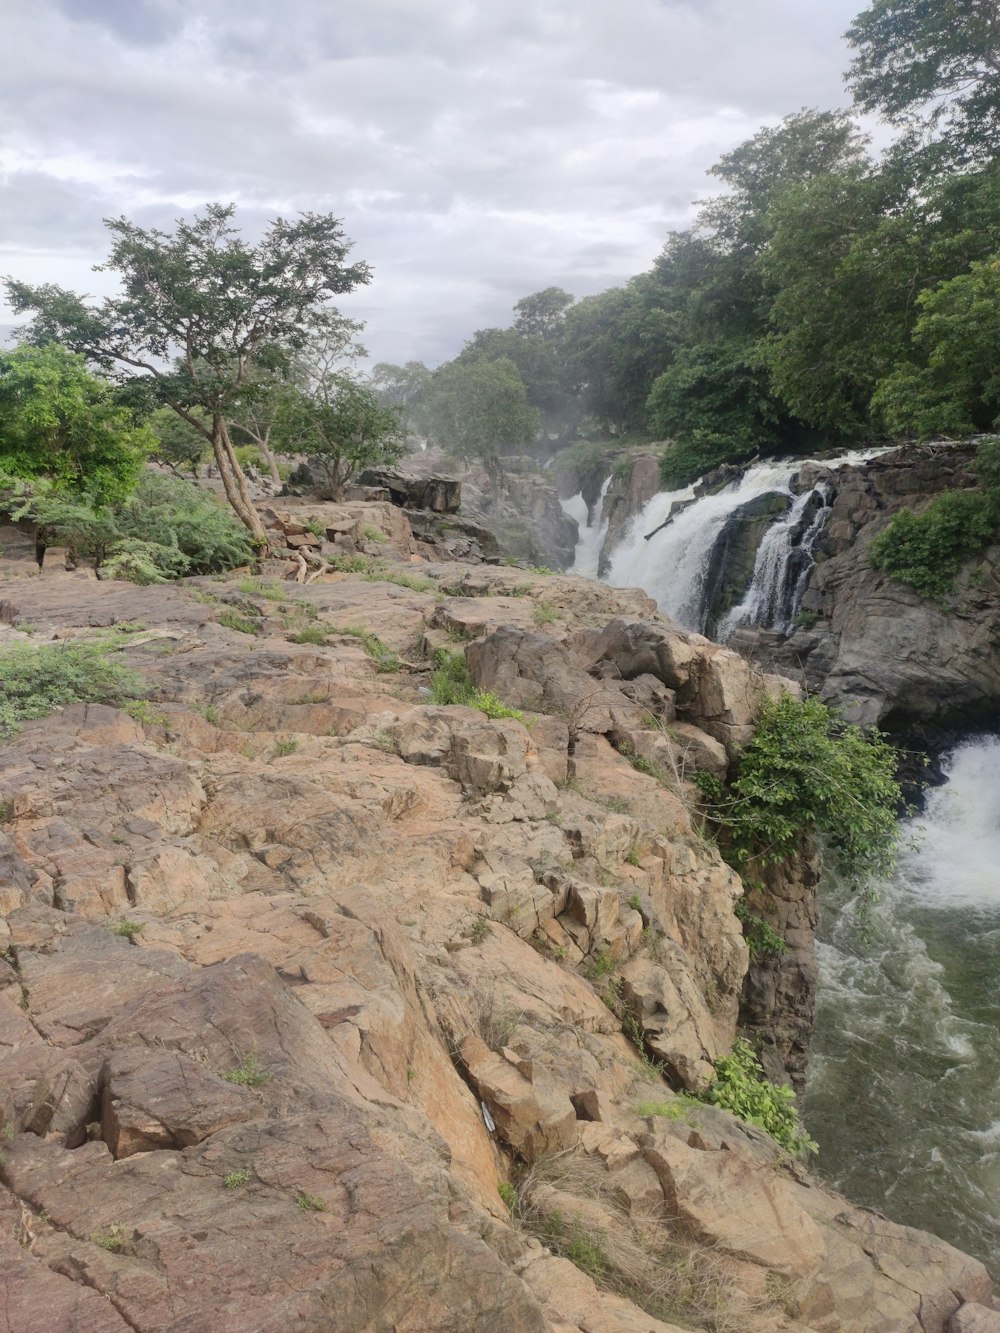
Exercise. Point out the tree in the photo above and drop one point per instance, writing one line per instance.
(343, 427)
(201, 311)
(403, 387)
(478, 409)
(542, 312)
(956, 386)
(932, 64)
(60, 423)
(177, 444)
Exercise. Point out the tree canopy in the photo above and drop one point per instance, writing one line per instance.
(201, 311)
(60, 423)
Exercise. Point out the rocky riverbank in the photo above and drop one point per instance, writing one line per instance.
(326, 1005)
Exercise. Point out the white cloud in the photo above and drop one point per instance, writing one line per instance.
(476, 152)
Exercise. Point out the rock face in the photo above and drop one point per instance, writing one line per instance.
(733, 555)
(878, 651)
(630, 490)
(298, 967)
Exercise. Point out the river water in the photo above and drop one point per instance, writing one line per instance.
(904, 1085)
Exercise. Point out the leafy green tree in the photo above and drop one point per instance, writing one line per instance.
(58, 421)
(403, 388)
(805, 147)
(177, 444)
(714, 401)
(956, 387)
(541, 313)
(805, 772)
(200, 312)
(342, 425)
(932, 63)
(478, 410)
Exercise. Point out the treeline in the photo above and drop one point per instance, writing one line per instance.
(825, 297)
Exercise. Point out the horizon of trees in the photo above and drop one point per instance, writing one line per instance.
(825, 297)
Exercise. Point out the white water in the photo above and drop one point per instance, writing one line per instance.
(591, 539)
(673, 565)
(908, 1019)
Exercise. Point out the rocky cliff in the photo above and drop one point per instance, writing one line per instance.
(872, 646)
(326, 1006)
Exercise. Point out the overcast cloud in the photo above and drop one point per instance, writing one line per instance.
(475, 151)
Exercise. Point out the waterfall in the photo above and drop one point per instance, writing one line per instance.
(908, 1014)
(782, 567)
(675, 563)
(592, 526)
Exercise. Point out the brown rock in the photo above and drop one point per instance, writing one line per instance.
(163, 1099)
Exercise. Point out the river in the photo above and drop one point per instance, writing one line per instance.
(904, 1085)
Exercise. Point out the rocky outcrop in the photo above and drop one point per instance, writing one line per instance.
(298, 967)
(875, 648)
(633, 485)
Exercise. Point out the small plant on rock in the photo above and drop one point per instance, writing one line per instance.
(740, 1087)
(113, 1238)
(234, 1179)
(309, 1203)
(129, 930)
(248, 1073)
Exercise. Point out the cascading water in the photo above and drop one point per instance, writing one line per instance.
(675, 563)
(781, 570)
(592, 526)
(908, 1021)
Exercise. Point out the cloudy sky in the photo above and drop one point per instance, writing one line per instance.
(476, 150)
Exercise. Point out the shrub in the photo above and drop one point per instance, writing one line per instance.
(248, 1073)
(37, 678)
(740, 1087)
(927, 550)
(762, 939)
(451, 683)
(804, 771)
(167, 528)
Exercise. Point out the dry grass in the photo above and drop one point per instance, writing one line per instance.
(569, 1202)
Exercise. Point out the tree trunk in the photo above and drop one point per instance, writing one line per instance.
(272, 463)
(235, 484)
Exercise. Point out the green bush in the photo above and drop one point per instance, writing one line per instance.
(805, 771)
(167, 528)
(740, 1087)
(452, 684)
(927, 550)
(37, 678)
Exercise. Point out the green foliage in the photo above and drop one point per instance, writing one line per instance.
(679, 1108)
(762, 939)
(37, 678)
(954, 387)
(248, 1073)
(508, 1193)
(309, 1203)
(113, 1238)
(242, 624)
(923, 64)
(167, 528)
(129, 930)
(478, 409)
(317, 634)
(61, 424)
(740, 1087)
(714, 402)
(384, 657)
(233, 1180)
(804, 772)
(451, 683)
(200, 312)
(927, 550)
